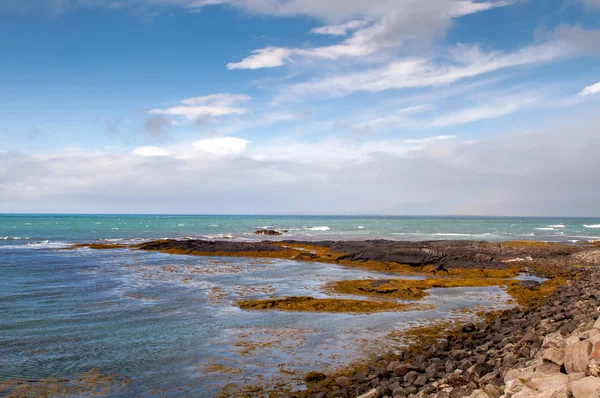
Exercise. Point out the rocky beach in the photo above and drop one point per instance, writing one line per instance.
(547, 345)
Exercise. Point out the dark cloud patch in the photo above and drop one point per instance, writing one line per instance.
(111, 127)
(34, 134)
(156, 125)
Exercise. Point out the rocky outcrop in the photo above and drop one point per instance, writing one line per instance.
(206, 246)
(447, 254)
(440, 255)
(269, 232)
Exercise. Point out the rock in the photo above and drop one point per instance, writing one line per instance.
(492, 391)
(595, 354)
(550, 384)
(531, 285)
(514, 386)
(577, 356)
(512, 375)
(597, 324)
(478, 370)
(572, 340)
(343, 381)
(587, 387)
(402, 369)
(410, 377)
(392, 365)
(420, 381)
(593, 368)
(371, 394)
(479, 394)
(576, 376)
(555, 355)
(267, 232)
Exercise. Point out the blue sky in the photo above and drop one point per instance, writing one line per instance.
(253, 99)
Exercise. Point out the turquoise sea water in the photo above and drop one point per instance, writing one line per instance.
(168, 325)
(56, 230)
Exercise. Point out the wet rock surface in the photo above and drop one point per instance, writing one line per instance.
(207, 246)
(439, 254)
(446, 254)
(548, 351)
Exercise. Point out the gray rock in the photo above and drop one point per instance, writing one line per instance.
(402, 369)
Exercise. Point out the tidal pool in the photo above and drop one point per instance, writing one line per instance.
(125, 323)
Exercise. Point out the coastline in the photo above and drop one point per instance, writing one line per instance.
(565, 268)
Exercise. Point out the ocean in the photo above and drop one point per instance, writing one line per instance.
(60, 230)
(130, 323)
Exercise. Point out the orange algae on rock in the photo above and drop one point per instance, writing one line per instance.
(311, 304)
(93, 383)
(409, 289)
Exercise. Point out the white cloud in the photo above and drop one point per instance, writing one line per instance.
(492, 110)
(222, 146)
(394, 23)
(546, 173)
(339, 30)
(335, 151)
(269, 57)
(464, 62)
(151, 151)
(589, 90)
(215, 105)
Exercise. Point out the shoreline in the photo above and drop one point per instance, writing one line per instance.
(568, 267)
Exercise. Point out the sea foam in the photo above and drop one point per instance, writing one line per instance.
(322, 228)
(591, 226)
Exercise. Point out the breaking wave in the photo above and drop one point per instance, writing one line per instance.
(322, 228)
(591, 226)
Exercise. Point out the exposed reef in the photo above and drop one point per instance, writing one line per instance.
(270, 232)
(311, 304)
(460, 258)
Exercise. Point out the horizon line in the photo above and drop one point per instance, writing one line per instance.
(288, 215)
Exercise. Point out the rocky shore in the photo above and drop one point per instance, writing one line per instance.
(552, 350)
(546, 346)
(436, 255)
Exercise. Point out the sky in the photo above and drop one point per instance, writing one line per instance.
(399, 107)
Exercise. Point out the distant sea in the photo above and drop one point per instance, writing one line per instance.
(127, 323)
(58, 230)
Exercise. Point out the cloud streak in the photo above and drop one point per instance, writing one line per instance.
(209, 106)
(590, 90)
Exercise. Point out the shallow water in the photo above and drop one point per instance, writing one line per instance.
(167, 325)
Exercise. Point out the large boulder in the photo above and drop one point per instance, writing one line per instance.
(588, 387)
(577, 356)
(550, 385)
